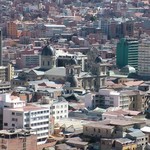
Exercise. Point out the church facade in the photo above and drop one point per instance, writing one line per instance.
(71, 73)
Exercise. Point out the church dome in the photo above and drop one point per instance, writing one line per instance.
(98, 59)
(48, 51)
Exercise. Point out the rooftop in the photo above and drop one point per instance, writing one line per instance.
(98, 125)
(29, 108)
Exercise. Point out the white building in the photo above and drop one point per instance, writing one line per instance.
(58, 107)
(110, 98)
(143, 58)
(16, 114)
(52, 29)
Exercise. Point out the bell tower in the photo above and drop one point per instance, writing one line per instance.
(99, 69)
(72, 71)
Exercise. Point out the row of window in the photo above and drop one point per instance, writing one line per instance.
(57, 112)
(42, 134)
(6, 124)
(58, 106)
(99, 130)
(14, 119)
(40, 123)
(59, 117)
(39, 118)
(17, 113)
(40, 129)
(39, 112)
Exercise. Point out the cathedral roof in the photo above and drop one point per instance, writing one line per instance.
(48, 51)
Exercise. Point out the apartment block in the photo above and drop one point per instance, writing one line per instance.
(125, 99)
(109, 128)
(16, 114)
(23, 139)
(127, 52)
(58, 107)
(143, 59)
(6, 72)
(28, 61)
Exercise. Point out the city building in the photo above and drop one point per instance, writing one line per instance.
(1, 60)
(58, 107)
(28, 61)
(140, 138)
(16, 114)
(5, 87)
(53, 29)
(13, 29)
(118, 144)
(115, 128)
(127, 53)
(23, 138)
(6, 73)
(125, 99)
(117, 27)
(63, 59)
(143, 59)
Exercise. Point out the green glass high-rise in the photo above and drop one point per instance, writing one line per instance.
(127, 52)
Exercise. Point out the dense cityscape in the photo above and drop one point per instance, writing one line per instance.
(74, 74)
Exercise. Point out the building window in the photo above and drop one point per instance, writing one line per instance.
(5, 124)
(13, 119)
(94, 130)
(48, 63)
(27, 125)
(13, 113)
(99, 130)
(43, 63)
(13, 125)
(18, 114)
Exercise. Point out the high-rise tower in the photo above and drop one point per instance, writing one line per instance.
(1, 48)
(127, 52)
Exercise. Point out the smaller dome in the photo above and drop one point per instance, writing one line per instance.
(73, 81)
(128, 69)
(48, 51)
(98, 59)
(73, 61)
